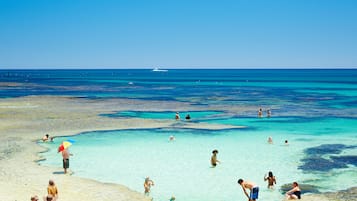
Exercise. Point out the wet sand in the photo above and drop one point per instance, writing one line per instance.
(25, 120)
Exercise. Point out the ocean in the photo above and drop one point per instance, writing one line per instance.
(315, 110)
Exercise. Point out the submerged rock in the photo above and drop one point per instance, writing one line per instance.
(325, 149)
(320, 164)
(320, 158)
(345, 159)
(345, 195)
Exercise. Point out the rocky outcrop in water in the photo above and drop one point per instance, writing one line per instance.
(345, 195)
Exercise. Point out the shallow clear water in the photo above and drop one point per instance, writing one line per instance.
(182, 167)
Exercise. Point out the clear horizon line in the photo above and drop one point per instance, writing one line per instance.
(170, 68)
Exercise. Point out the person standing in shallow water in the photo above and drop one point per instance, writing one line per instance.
(260, 112)
(177, 116)
(65, 156)
(271, 180)
(214, 160)
(254, 189)
(268, 113)
(147, 185)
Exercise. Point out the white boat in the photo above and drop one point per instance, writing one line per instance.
(159, 70)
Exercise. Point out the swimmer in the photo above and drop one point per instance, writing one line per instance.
(214, 160)
(172, 138)
(45, 138)
(147, 185)
(270, 140)
(286, 142)
(188, 117)
(260, 112)
(268, 113)
(177, 116)
(271, 180)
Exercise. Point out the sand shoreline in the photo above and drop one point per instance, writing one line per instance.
(27, 119)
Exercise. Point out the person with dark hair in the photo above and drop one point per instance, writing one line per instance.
(46, 138)
(254, 189)
(188, 117)
(294, 193)
(34, 198)
(271, 179)
(214, 160)
(260, 112)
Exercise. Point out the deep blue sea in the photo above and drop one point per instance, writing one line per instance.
(316, 110)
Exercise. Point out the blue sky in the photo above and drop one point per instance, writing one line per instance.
(178, 33)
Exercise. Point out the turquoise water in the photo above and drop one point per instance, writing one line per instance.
(166, 115)
(182, 167)
(316, 110)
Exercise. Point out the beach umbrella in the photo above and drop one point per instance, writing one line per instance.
(64, 145)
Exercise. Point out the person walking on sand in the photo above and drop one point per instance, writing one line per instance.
(254, 189)
(214, 160)
(147, 185)
(65, 156)
(294, 193)
(271, 180)
(52, 189)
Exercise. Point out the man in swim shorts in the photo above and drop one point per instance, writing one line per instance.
(254, 189)
(65, 155)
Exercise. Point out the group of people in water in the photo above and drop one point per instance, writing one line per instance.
(294, 193)
(260, 113)
(177, 116)
(52, 193)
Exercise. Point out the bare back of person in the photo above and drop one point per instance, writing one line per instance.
(249, 185)
(65, 154)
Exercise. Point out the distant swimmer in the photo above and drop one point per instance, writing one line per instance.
(172, 198)
(147, 185)
(214, 160)
(260, 112)
(177, 116)
(172, 138)
(46, 138)
(271, 179)
(254, 189)
(270, 140)
(188, 117)
(268, 113)
(286, 142)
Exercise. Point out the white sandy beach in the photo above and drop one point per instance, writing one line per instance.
(25, 120)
